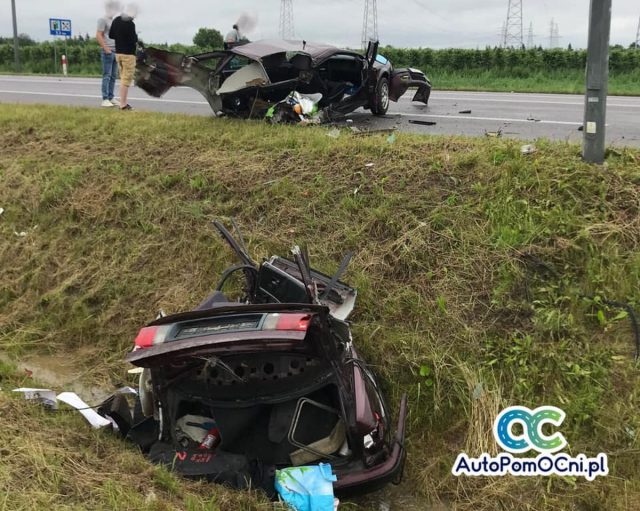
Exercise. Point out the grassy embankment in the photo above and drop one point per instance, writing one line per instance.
(476, 266)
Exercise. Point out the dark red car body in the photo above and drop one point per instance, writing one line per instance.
(279, 373)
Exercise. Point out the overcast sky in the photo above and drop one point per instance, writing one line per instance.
(410, 23)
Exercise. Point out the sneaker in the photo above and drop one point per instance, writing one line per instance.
(106, 103)
(126, 107)
(114, 102)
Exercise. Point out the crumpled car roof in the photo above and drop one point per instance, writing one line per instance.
(263, 48)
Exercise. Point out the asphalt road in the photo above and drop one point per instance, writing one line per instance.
(524, 116)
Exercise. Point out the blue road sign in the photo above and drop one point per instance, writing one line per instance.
(60, 27)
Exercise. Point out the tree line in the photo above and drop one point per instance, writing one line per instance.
(83, 55)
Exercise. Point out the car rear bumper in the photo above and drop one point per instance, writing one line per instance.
(364, 481)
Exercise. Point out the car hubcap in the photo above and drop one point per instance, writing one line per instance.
(384, 95)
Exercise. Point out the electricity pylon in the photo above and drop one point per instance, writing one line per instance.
(286, 19)
(369, 22)
(513, 34)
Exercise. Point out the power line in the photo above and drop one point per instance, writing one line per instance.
(286, 19)
(513, 35)
(370, 22)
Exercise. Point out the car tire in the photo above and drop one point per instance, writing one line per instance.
(381, 100)
(145, 393)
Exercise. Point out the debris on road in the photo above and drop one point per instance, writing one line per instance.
(531, 118)
(423, 123)
(495, 134)
(581, 127)
(528, 149)
(464, 112)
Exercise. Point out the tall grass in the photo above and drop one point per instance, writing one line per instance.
(482, 277)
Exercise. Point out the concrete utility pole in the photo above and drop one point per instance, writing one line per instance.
(16, 41)
(638, 35)
(595, 104)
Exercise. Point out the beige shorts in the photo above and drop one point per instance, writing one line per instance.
(126, 67)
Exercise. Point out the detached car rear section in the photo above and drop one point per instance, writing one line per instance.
(248, 79)
(272, 382)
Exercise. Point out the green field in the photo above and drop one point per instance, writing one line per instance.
(482, 278)
(559, 82)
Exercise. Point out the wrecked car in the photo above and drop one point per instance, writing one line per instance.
(249, 79)
(231, 391)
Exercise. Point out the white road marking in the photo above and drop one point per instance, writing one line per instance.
(402, 114)
(73, 81)
(489, 97)
(520, 101)
(499, 119)
(90, 96)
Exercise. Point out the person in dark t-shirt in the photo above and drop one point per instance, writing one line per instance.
(123, 32)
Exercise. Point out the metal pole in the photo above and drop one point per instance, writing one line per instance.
(16, 42)
(597, 76)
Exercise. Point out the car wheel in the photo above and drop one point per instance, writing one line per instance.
(145, 393)
(381, 102)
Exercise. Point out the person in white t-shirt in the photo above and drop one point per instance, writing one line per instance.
(108, 53)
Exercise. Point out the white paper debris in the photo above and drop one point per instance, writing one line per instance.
(72, 399)
(45, 396)
(20, 234)
(1, 211)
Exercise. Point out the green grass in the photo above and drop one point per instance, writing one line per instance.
(560, 82)
(480, 274)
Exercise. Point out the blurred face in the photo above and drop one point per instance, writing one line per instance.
(112, 8)
(131, 10)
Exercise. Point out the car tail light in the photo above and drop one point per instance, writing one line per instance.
(151, 335)
(287, 321)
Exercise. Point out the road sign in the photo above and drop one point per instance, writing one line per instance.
(60, 27)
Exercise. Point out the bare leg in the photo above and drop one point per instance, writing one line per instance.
(124, 92)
